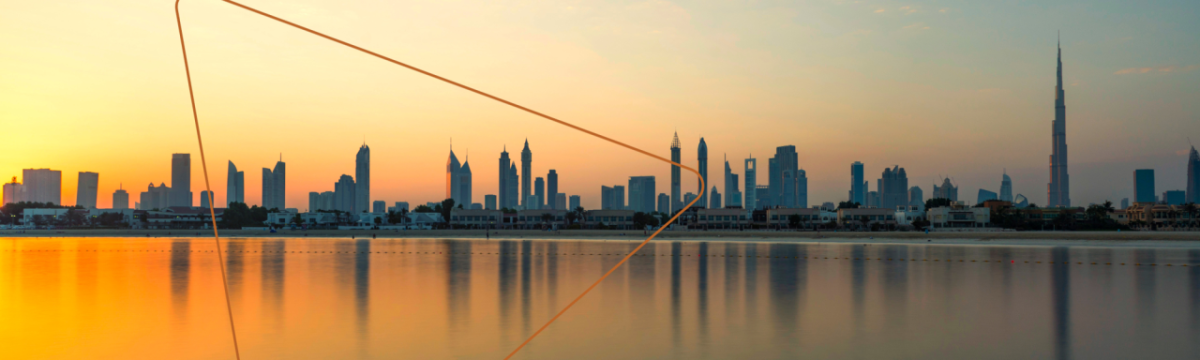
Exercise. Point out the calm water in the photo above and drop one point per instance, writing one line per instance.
(458, 299)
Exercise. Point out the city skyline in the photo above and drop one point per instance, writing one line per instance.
(1128, 109)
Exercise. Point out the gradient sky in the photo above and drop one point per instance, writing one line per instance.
(942, 88)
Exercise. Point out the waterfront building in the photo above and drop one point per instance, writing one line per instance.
(204, 198)
(702, 166)
(552, 190)
(155, 197)
(866, 218)
(946, 191)
(1143, 186)
(613, 219)
(377, 206)
(858, 184)
(560, 201)
(343, 195)
(87, 188)
(502, 188)
(14, 192)
(453, 178)
(42, 185)
(513, 186)
(1006, 188)
(721, 219)
(801, 188)
(539, 190)
(951, 216)
(715, 201)
(985, 195)
(1174, 197)
(489, 202)
(235, 185)
(465, 184)
(120, 199)
(273, 186)
(675, 174)
(574, 202)
(828, 206)
(1193, 177)
(526, 174)
(750, 172)
(1059, 189)
(181, 180)
(664, 203)
(760, 192)
(362, 177)
(731, 186)
(780, 218)
(893, 188)
(642, 192)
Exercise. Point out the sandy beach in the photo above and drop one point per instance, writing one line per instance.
(1031, 238)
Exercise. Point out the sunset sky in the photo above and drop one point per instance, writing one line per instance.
(941, 88)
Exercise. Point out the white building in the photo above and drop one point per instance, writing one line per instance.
(43, 185)
(86, 192)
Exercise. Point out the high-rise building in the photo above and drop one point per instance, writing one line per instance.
(731, 186)
(893, 188)
(785, 174)
(619, 197)
(343, 195)
(609, 200)
(858, 184)
(362, 177)
(560, 201)
(552, 190)
(452, 176)
(916, 197)
(664, 203)
(465, 185)
(801, 188)
(574, 202)
(235, 185)
(642, 193)
(539, 190)
(314, 201)
(946, 191)
(531, 203)
(88, 186)
(42, 185)
(1059, 189)
(751, 192)
(489, 201)
(1006, 188)
(327, 201)
(14, 192)
(689, 197)
(761, 192)
(1193, 177)
(985, 195)
(204, 199)
(873, 199)
(377, 205)
(526, 174)
(120, 199)
(714, 202)
(1174, 197)
(774, 178)
(702, 159)
(1143, 186)
(181, 180)
(513, 186)
(273, 186)
(1124, 203)
(502, 189)
(675, 175)
(156, 197)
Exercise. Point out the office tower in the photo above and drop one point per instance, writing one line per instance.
(1124, 203)
(1193, 177)
(675, 180)
(1020, 201)
(14, 192)
(42, 185)
(985, 195)
(574, 202)
(120, 199)
(688, 198)
(916, 197)
(362, 175)
(785, 177)
(489, 201)
(452, 176)
(181, 180)
(801, 188)
(1006, 188)
(268, 189)
(273, 183)
(513, 186)
(156, 197)
(774, 178)
(761, 192)
(531, 203)
(204, 199)
(873, 199)
(1059, 189)
(314, 201)
(401, 205)
(552, 190)
(946, 191)
(325, 201)
(619, 197)
(1174, 197)
(560, 201)
(607, 200)
(235, 185)
(751, 192)
(642, 193)
(465, 185)
(526, 173)
(702, 159)
(343, 194)
(858, 184)
(731, 186)
(539, 190)
(86, 192)
(377, 205)
(502, 187)
(1143, 186)
(664, 203)
(893, 188)
(715, 201)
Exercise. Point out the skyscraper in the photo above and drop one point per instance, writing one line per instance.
(574, 202)
(14, 192)
(774, 178)
(1174, 197)
(1143, 186)
(452, 176)
(539, 191)
(204, 199)
(181, 180)
(985, 195)
(526, 173)
(343, 195)
(1006, 188)
(785, 177)
(642, 193)
(714, 201)
(552, 190)
(502, 188)
(702, 158)
(85, 194)
(42, 185)
(465, 185)
(664, 204)
(606, 197)
(1059, 189)
(560, 201)
(273, 186)
(858, 184)
(156, 197)
(120, 199)
(489, 201)
(893, 188)
(676, 205)
(916, 197)
(362, 176)
(801, 188)
(1193, 177)
(314, 201)
(268, 189)
(235, 185)
(946, 191)
(751, 192)
(378, 206)
(731, 186)
(514, 182)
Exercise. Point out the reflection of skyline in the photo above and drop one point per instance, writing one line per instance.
(362, 288)
(181, 252)
(676, 316)
(702, 294)
(1060, 287)
(272, 270)
(1193, 259)
(458, 285)
(787, 279)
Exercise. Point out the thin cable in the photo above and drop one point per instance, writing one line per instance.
(212, 212)
(531, 111)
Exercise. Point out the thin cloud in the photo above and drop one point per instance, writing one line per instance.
(908, 10)
(1158, 69)
(944, 10)
(879, 10)
(917, 26)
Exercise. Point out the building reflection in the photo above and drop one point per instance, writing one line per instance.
(507, 273)
(1060, 287)
(895, 287)
(552, 277)
(272, 271)
(362, 287)
(786, 278)
(1144, 280)
(181, 255)
(525, 257)
(676, 272)
(858, 276)
(235, 265)
(702, 294)
(1193, 262)
(730, 278)
(458, 284)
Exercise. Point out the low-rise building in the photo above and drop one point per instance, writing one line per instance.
(722, 219)
(1155, 216)
(867, 218)
(945, 216)
(619, 219)
(780, 218)
(541, 219)
(181, 217)
(475, 218)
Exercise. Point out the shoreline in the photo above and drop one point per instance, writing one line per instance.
(1029, 238)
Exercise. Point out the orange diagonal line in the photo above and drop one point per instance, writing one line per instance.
(531, 111)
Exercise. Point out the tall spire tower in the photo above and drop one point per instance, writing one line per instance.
(1059, 190)
(676, 199)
